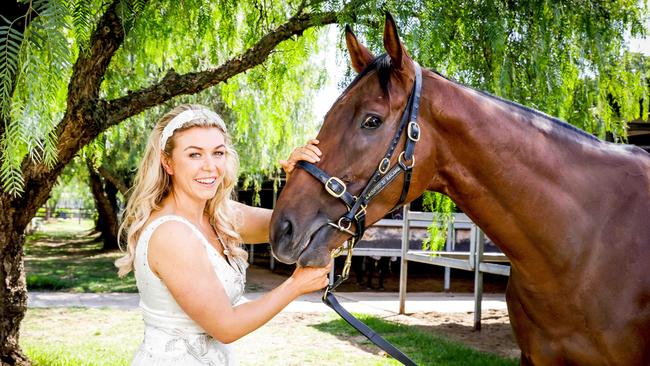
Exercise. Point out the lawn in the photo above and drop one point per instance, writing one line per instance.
(64, 255)
(76, 336)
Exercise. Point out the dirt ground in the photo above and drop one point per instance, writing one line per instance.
(494, 337)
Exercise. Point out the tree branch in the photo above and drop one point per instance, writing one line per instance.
(174, 84)
(87, 115)
(90, 67)
(116, 181)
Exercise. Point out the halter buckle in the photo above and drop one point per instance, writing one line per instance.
(331, 189)
(413, 131)
(362, 211)
(400, 159)
(384, 164)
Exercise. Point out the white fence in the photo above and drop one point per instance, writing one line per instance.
(475, 259)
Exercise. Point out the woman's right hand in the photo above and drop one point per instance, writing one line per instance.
(310, 279)
(309, 153)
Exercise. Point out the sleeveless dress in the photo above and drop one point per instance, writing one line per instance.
(171, 337)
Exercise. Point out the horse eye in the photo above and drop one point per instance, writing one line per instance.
(371, 122)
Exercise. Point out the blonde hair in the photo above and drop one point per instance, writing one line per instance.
(152, 184)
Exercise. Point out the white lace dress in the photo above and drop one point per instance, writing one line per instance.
(170, 336)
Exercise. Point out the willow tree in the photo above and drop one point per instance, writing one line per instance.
(69, 71)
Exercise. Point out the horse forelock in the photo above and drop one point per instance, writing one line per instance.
(381, 64)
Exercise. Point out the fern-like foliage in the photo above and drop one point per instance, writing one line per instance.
(443, 208)
(542, 54)
(11, 40)
(81, 20)
(34, 78)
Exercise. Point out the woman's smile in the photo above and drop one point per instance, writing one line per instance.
(208, 182)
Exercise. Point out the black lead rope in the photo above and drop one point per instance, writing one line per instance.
(375, 338)
(330, 300)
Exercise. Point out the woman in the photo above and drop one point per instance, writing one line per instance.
(183, 241)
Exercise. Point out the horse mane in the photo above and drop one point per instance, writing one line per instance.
(521, 107)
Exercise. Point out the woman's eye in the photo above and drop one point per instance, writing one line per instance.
(371, 122)
(219, 153)
(194, 155)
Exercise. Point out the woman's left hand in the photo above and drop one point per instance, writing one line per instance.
(309, 153)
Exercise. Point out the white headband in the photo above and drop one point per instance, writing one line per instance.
(187, 116)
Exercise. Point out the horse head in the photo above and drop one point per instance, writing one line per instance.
(356, 133)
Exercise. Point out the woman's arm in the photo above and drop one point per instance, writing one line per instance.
(177, 256)
(256, 221)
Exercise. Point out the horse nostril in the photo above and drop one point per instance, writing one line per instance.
(286, 229)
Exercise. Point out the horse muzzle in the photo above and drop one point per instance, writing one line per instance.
(305, 244)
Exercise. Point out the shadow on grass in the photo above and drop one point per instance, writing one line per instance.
(72, 261)
(63, 244)
(419, 344)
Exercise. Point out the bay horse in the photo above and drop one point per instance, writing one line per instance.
(571, 212)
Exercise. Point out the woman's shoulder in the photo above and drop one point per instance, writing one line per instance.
(172, 230)
(175, 246)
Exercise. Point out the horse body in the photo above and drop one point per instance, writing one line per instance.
(571, 212)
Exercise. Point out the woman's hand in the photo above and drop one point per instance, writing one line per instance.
(310, 279)
(309, 153)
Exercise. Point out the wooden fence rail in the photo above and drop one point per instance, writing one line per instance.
(473, 260)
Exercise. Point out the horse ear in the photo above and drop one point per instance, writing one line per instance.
(359, 54)
(392, 44)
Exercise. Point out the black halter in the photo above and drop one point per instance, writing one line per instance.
(357, 205)
(383, 175)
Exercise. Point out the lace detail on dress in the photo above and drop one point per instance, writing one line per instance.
(196, 345)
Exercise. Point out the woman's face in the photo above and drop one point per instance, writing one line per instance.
(198, 162)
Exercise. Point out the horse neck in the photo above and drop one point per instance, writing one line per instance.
(517, 174)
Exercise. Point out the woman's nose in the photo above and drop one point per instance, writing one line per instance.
(209, 163)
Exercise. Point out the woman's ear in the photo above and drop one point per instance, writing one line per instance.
(164, 161)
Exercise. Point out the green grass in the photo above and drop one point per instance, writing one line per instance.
(421, 346)
(64, 256)
(76, 336)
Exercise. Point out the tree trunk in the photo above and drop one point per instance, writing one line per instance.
(106, 204)
(17, 211)
(13, 222)
(121, 182)
(13, 294)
